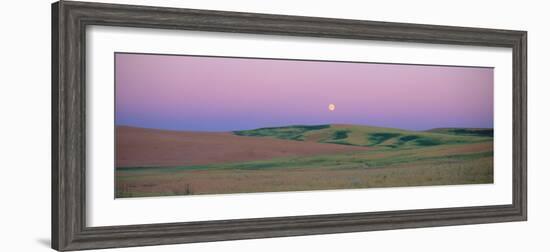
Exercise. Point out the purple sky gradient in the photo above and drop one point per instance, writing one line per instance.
(223, 94)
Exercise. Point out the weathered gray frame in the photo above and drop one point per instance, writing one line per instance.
(69, 20)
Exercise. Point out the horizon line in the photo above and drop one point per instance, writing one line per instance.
(296, 125)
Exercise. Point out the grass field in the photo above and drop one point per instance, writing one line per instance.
(374, 157)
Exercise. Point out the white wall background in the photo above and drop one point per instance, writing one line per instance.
(25, 126)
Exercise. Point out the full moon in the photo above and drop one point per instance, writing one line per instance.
(331, 107)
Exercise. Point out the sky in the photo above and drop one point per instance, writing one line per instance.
(194, 93)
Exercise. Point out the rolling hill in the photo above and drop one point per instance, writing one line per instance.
(154, 162)
(358, 135)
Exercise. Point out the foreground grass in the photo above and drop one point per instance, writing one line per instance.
(457, 163)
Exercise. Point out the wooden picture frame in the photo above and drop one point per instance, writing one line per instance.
(69, 20)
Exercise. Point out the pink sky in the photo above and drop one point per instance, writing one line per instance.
(223, 94)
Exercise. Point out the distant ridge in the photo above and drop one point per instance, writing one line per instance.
(485, 132)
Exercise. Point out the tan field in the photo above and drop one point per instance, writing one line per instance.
(152, 147)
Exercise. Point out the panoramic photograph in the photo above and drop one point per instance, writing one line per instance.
(196, 125)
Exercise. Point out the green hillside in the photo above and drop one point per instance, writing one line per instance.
(372, 136)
